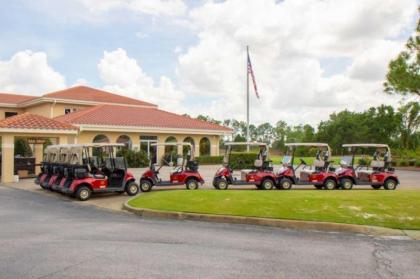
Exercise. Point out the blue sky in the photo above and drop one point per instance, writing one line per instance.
(310, 57)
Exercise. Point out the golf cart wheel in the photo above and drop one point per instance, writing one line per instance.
(285, 183)
(346, 183)
(145, 186)
(192, 184)
(132, 188)
(83, 193)
(390, 184)
(222, 184)
(267, 184)
(330, 184)
(376, 187)
(319, 187)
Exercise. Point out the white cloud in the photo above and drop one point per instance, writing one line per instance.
(288, 40)
(28, 72)
(123, 74)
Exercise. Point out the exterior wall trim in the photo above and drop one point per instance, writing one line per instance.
(38, 131)
(154, 130)
(75, 102)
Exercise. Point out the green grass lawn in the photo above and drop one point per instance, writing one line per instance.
(394, 209)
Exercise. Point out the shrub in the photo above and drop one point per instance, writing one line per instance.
(418, 163)
(134, 158)
(412, 162)
(22, 148)
(403, 163)
(242, 160)
(209, 160)
(364, 162)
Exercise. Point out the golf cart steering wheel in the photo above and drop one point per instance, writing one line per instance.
(303, 162)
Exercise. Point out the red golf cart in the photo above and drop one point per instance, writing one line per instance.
(262, 175)
(320, 174)
(378, 174)
(48, 166)
(83, 177)
(186, 171)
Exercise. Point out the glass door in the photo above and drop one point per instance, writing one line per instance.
(146, 146)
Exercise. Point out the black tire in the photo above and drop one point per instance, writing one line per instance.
(132, 188)
(346, 184)
(390, 184)
(222, 184)
(319, 187)
(146, 185)
(267, 184)
(376, 187)
(330, 184)
(83, 193)
(191, 184)
(285, 183)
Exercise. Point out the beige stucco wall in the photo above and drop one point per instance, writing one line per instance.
(88, 136)
(3, 110)
(41, 109)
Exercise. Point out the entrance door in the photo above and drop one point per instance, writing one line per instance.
(146, 146)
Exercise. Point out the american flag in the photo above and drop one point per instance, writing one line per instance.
(251, 72)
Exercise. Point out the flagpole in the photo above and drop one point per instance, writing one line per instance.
(247, 98)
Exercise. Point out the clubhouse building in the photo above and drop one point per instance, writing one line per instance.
(83, 114)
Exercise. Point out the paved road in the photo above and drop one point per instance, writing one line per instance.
(42, 236)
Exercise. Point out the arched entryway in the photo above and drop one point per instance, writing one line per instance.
(185, 148)
(170, 148)
(125, 140)
(204, 147)
(100, 139)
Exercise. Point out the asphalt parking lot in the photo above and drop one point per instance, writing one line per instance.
(42, 236)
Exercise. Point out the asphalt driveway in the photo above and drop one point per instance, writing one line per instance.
(42, 236)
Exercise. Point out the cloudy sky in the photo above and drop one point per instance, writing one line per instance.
(310, 57)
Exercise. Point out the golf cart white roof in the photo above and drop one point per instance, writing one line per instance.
(366, 145)
(246, 143)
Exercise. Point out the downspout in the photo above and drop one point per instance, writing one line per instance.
(52, 108)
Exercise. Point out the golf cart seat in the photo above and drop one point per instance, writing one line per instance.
(192, 166)
(377, 164)
(319, 163)
(258, 163)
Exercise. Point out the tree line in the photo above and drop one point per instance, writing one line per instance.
(383, 124)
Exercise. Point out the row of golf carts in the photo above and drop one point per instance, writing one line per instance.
(80, 170)
(321, 173)
(83, 169)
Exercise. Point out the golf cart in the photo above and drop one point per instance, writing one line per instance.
(84, 178)
(186, 171)
(320, 174)
(58, 168)
(378, 174)
(261, 175)
(50, 166)
(44, 165)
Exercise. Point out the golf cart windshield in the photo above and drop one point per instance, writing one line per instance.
(287, 160)
(346, 160)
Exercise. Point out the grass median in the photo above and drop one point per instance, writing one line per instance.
(394, 209)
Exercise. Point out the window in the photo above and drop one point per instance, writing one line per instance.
(69, 110)
(9, 114)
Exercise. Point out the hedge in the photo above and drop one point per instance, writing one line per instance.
(134, 158)
(210, 160)
(237, 160)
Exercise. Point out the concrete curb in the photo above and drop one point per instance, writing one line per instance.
(279, 223)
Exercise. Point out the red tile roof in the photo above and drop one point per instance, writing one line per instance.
(34, 121)
(114, 115)
(85, 93)
(7, 98)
